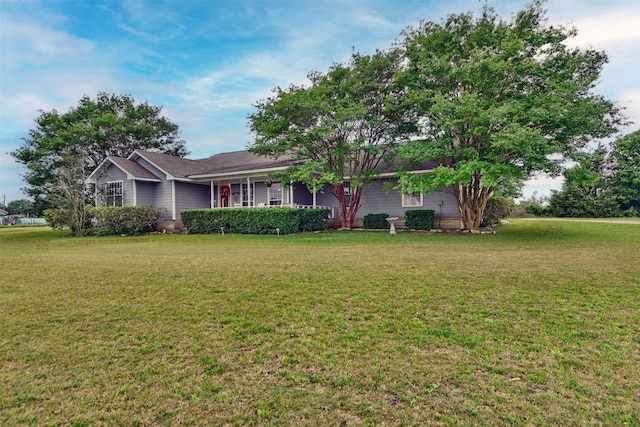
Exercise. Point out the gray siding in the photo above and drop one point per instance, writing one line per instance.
(324, 198)
(192, 196)
(302, 195)
(161, 191)
(380, 197)
(145, 193)
(162, 199)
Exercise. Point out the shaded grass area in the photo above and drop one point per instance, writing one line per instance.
(537, 325)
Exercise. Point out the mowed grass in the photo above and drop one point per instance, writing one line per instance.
(536, 325)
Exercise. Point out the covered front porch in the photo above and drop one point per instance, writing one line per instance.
(262, 192)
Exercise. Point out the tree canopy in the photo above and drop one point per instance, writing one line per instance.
(625, 172)
(344, 126)
(499, 100)
(94, 129)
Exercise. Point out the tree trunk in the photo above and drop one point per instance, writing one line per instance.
(342, 205)
(346, 210)
(354, 204)
(472, 200)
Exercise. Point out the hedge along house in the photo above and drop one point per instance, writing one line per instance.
(242, 179)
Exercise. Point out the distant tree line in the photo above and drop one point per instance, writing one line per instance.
(604, 183)
(19, 207)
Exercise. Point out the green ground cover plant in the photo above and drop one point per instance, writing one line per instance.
(538, 324)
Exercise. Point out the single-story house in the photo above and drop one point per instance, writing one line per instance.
(242, 179)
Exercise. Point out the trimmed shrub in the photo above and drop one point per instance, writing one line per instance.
(57, 218)
(376, 221)
(129, 220)
(60, 218)
(420, 219)
(255, 221)
(497, 208)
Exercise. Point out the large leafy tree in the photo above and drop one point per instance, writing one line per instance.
(625, 172)
(499, 100)
(107, 125)
(340, 130)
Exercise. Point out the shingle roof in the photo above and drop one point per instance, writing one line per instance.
(178, 167)
(401, 164)
(235, 161)
(133, 168)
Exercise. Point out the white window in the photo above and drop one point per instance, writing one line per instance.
(247, 194)
(411, 200)
(275, 194)
(278, 195)
(114, 193)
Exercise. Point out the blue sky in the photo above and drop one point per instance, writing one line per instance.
(207, 62)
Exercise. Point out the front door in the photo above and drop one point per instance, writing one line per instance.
(225, 191)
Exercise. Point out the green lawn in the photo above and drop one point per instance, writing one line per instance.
(536, 325)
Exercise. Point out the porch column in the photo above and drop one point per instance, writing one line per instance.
(291, 194)
(268, 195)
(314, 195)
(211, 202)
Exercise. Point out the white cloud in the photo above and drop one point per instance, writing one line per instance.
(30, 44)
(541, 185)
(630, 98)
(614, 29)
(153, 21)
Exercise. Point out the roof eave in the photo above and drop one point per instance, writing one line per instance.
(243, 173)
(394, 174)
(91, 179)
(143, 179)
